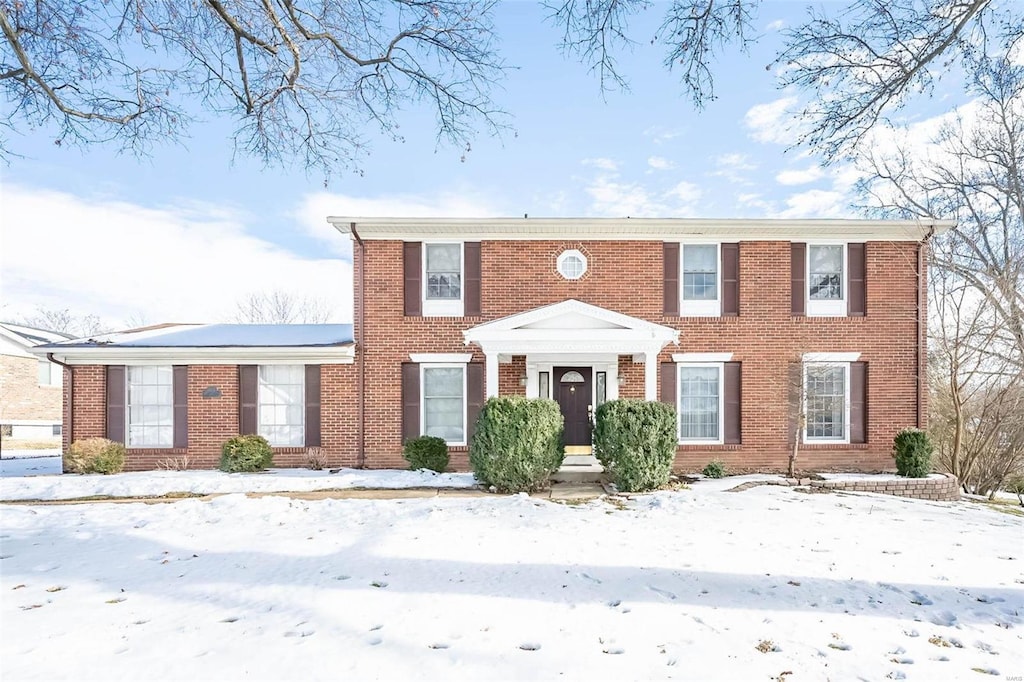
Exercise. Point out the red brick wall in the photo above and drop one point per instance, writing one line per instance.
(21, 396)
(211, 421)
(626, 276)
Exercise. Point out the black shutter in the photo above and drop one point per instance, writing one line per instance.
(248, 383)
(180, 390)
(410, 400)
(858, 402)
(733, 392)
(312, 405)
(475, 398)
(670, 280)
(856, 262)
(412, 254)
(471, 286)
(730, 280)
(115, 403)
(667, 393)
(798, 278)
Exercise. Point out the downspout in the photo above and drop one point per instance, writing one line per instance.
(922, 300)
(360, 353)
(69, 411)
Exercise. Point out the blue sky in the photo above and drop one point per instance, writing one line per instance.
(113, 235)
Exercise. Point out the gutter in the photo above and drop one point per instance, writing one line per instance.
(922, 305)
(68, 427)
(360, 349)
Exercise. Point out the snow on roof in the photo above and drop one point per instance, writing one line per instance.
(221, 336)
(33, 336)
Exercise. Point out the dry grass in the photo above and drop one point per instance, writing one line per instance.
(23, 444)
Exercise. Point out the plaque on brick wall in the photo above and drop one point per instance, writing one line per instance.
(211, 392)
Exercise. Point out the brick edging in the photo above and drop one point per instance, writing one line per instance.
(945, 489)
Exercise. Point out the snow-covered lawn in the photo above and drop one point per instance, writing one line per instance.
(696, 584)
(21, 482)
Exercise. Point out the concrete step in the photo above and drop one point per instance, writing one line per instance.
(565, 475)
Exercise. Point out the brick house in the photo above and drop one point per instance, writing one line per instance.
(742, 325)
(30, 387)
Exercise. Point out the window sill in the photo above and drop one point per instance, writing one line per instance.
(692, 447)
(155, 450)
(834, 445)
(290, 449)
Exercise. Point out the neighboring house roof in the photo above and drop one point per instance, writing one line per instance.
(19, 338)
(639, 228)
(211, 344)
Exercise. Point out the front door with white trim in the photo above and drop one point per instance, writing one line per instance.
(573, 390)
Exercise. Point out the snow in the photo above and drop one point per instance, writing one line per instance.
(18, 483)
(16, 463)
(683, 585)
(870, 477)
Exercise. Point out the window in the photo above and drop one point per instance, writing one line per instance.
(444, 402)
(543, 384)
(826, 401)
(700, 403)
(150, 406)
(444, 272)
(58, 429)
(572, 264)
(281, 404)
(601, 388)
(826, 268)
(49, 374)
(700, 281)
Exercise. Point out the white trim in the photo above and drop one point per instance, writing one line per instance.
(831, 357)
(259, 406)
(565, 255)
(701, 357)
(845, 440)
(465, 398)
(704, 308)
(443, 307)
(837, 307)
(721, 404)
(128, 412)
(660, 229)
(450, 358)
(107, 355)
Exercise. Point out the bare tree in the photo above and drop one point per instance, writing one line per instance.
(302, 77)
(66, 322)
(281, 307)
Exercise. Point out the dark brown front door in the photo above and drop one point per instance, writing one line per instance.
(574, 395)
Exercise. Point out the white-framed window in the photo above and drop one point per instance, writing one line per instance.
(571, 264)
(827, 402)
(443, 268)
(149, 404)
(49, 374)
(701, 397)
(281, 409)
(826, 280)
(700, 281)
(443, 401)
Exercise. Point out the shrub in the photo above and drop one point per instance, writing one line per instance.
(517, 444)
(636, 443)
(315, 459)
(426, 452)
(245, 453)
(94, 456)
(1015, 484)
(913, 452)
(715, 469)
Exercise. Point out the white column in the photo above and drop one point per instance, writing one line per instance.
(491, 383)
(651, 375)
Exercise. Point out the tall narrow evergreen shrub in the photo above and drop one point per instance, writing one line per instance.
(635, 440)
(517, 443)
(913, 452)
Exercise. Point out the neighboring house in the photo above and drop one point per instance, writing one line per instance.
(30, 387)
(745, 326)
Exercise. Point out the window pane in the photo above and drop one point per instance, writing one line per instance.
(700, 258)
(281, 410)
(826, 272)
(444, 408)
(441, 382)
(444, 258)
(700, 273)
(150, 410)
(602, 388)
(826, 402)
(698, 403)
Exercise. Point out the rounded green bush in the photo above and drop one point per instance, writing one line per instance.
(517, 443)
(635, 440)
(426, 452)
(245, 453)
(94, 456)
(913, 452)
(715, 469)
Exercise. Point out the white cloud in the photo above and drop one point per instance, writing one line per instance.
(818, 203)
(661, 134)
(733, 167)
(776, 25)
(615, 198)
(117, 259)
(799, 177)
(772, 122)
(660, 163)
(686, 192)
(602, 163)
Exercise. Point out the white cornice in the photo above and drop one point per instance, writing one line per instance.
(831, 357)
(701, 357)
(716, 229)
(449, 358)
(108, 355)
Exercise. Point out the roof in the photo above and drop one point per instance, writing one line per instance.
(32, 336)
(639, 228)
(210, 344)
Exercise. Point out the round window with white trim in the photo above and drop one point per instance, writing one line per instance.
(572, 264)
